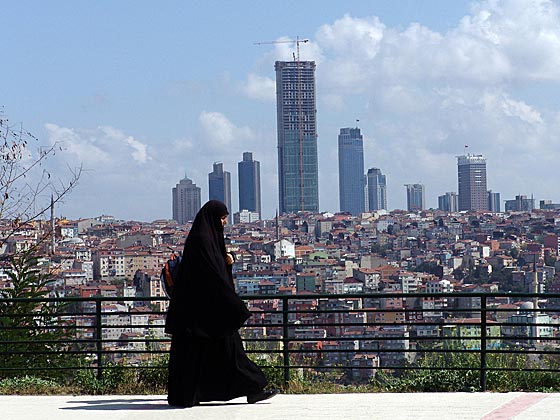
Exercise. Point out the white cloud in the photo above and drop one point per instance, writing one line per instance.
(124, 167)
(404, 100)
(500, 41)
(183, 146)
(527, 32)
(139, 150)
(140, 153)
(501, 104)
(220, 132)
(352, 36)
(260, 88)
(80, 144)
(103, 145)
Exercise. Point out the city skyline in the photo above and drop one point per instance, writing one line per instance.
(139, 98)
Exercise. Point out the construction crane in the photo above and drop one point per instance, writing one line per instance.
(297, 41)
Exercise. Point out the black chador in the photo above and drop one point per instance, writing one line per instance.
(207, 360)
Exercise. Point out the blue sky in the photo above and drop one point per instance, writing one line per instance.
(141, 93)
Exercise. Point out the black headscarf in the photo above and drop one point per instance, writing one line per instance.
(204, 301)
(207, 236)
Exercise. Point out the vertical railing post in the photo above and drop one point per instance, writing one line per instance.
(98, 338)
(483, 343)
(285, 340)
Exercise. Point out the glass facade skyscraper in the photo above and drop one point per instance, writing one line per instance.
(219, 186)
(415, 197)
(471, 177)
(186, 201)
(494, 202)
(351, 188)
(249, 176)
(298, 172)
(448, 202)
(376, 189)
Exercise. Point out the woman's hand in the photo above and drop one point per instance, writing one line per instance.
(229, 259)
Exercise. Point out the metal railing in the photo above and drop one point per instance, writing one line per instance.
(356, 335)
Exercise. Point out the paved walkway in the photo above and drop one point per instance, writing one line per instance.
(414, 406)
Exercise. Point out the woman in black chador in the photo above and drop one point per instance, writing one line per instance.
(207, 360)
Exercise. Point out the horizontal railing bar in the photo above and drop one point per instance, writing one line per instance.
(360, 337)
(303, 297)
(291, 326)
(448, 309)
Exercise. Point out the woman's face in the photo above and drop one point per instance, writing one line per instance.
(223, 219)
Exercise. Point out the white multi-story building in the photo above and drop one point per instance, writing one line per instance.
(410, 283)
(439, 286)
(281, 248)
(118, 322)
(369, 277)
(246, 216)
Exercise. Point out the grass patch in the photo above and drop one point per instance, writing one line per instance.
(32, 385)
(438, 375)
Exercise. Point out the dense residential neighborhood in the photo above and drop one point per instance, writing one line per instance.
(387, 254)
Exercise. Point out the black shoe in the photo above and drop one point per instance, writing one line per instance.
(261, 396)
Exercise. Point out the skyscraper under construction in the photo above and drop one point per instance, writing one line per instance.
(298, 174)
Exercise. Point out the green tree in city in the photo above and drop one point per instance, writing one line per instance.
(32, 331)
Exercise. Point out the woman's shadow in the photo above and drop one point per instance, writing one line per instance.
(133, 404)
(120, 404)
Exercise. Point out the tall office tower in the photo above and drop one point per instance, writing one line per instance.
(471, 171)
(186, 201)
(351, 188)
(494, 201)
(448, 202)
(249, 176)
(415, 200)
(298, 172)
(376, 189)
(219, 186)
